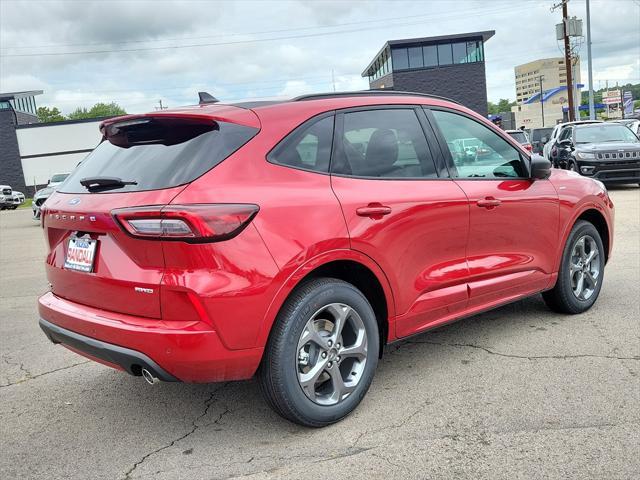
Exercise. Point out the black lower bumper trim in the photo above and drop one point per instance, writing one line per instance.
(131, 360)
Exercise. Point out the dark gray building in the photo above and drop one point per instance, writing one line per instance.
(448, 65)
(16, 108)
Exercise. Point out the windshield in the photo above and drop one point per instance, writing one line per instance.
(604, 133)
(60, 177)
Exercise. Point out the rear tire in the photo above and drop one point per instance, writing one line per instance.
(322, 353)
(581, 271)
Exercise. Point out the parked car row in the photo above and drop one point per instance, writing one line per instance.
(9, 198)
(41, 195)
(607, 151)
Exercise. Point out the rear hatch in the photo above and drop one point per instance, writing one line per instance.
(95, 258)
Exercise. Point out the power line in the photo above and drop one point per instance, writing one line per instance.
(222, 35)
(242, 42)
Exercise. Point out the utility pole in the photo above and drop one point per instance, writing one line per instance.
(161, 107)
(333, 80)
(540, 78)
(592, 110)
(567, 59)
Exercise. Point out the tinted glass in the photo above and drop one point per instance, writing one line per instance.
(160, 166)
(415, 57)
(430, 55)
(445, 56)
(308, 147)
(59, 177)
(603, 133)
(459, 52)
(519, 137)
(400, 58)
(384, 144)
(477, 151)
(564, 134)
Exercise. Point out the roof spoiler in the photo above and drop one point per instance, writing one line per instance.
(206, 97)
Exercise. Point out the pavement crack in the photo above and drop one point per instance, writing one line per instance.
(525, 357)
(28, 376)
(194, 427)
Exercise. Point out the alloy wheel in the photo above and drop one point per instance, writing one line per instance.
(584, 267)
(331, 354)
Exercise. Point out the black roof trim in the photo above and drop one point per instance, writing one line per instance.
(370, 93)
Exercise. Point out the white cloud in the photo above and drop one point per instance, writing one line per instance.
(137, 80)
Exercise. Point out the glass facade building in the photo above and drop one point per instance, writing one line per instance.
(448, 65)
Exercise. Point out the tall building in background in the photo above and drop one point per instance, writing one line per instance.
(541, 104)
(450, 65)
(553, 73)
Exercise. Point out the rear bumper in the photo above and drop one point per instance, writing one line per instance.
(188, 351)
(129, 360)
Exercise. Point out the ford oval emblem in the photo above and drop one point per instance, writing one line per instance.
(74, 201)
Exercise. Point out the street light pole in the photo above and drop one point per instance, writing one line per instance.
(540, 78)
(592, 110)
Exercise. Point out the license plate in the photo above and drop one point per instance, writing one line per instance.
(80, 254)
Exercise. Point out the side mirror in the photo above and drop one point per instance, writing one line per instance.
(565, 142)
(540, 167)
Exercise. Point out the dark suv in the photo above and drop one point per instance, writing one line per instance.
(609, 152)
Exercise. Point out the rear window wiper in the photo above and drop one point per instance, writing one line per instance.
(104, 183)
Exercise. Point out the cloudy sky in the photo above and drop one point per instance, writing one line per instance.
(138, 52)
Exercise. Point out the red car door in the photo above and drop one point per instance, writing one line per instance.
(513, 227)
(403, 211)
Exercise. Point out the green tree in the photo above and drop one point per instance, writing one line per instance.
(46, 114)
(504, 105)
(98, 110)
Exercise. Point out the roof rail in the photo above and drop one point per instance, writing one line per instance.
(369, 93)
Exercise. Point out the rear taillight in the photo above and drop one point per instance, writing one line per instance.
(197, 223)
(528, 147)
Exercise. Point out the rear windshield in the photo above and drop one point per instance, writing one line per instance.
(538, 133)
(157, 166)
(59, 177)
(603, 133)
(520, 137)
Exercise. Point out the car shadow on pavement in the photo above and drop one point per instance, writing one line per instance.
(236, 405)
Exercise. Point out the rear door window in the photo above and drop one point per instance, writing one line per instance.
(383, 143)
(160, 154)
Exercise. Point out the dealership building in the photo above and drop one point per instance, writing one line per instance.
(449, 65)
(30, 151)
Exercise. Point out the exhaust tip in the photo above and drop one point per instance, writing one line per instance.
(149, 378)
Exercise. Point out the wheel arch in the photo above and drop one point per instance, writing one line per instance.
(347, 265)
(597, 219)
(592, 214)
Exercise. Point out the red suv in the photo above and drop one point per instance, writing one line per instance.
(295, 239)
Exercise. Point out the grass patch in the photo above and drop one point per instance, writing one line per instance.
(27, 203)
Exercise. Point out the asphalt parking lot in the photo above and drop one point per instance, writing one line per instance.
(519, 392)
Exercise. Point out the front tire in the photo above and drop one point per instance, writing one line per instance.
(322, 353)
(581, 271)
